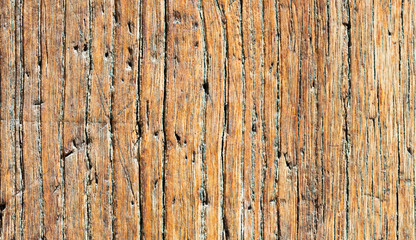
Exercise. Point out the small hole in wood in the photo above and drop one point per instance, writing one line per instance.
(130, 27)
(206, 87)
(129, 65)
(176, 17)
(178, 138)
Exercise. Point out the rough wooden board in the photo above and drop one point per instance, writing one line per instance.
(151, 126)
(197, 119)
(52, 92)
(33, 210)
(124, 117)
(101, 152)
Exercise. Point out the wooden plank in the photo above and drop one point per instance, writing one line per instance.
(53, 33)
(358, 202)
(374, 136)
(253, 44)
(232, 100)
(271, 109)
(307, 142)
(99, 125)
(386, 24)
(183, 119)
(151, 125)
(289, 59)
(214, 83)
(32, 172)
(76, 141)
(124, 120)
(333, 98)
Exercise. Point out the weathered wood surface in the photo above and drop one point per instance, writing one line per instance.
(207, 119)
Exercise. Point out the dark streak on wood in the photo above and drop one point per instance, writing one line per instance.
(39, 122)
(164, 116)
(20, 68)
(61, 125)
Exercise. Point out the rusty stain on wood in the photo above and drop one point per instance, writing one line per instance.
(197, 119)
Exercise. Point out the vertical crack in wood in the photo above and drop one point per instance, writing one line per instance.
(12, 112)
(277, 121)
(299, 88)
(61, 120)
(375, 78)
(347, 107)
(318, 127)
(224, 28)
(19, 88)
(253, 129)
(203, 191)
(138, 128)
(164, 121)
(327, 60)
(401, 34)
(39, 127)
(263, 124)
(88, 234)
(243, 79)
(409, 106)
(111, 123)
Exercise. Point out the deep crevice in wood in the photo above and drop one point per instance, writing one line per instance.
(19, 88)
(203, 192)
(347, 107)
(39, 129)
(164, 109)
(61, 121)
(243, 79)
(138, 117)
(224, 29)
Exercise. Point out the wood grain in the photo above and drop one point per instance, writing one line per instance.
(207, 119)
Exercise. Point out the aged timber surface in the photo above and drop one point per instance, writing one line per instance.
(207, 119)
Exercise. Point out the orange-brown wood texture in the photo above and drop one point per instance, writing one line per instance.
(207, 119)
